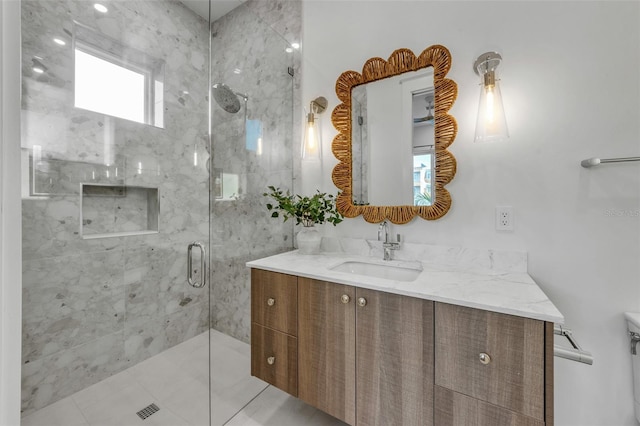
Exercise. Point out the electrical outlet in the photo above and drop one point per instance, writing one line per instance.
(504, 218)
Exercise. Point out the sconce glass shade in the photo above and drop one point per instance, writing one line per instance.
(491, 124)
(312, 142)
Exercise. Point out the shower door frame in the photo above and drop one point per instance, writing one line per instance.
(10, 215)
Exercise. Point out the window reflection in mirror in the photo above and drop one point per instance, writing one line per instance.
(422, 175)
(393, 140)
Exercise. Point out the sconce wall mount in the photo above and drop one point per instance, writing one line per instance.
(486, 65)
(491, 124)
(319, 105)
(312, 142)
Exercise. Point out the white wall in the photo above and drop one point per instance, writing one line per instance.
(10, 221)
(570, 82)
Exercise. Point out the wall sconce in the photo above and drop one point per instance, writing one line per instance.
(491, 124)
(312, 142)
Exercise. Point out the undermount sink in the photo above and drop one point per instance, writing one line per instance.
(390, 272)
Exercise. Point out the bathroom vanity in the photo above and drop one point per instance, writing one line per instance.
(459, 343)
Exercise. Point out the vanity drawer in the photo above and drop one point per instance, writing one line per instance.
(455, 409)
(274, 358)
(274, 300)
(493, 357)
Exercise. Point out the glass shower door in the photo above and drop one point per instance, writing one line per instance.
(252, 82)
(115, 143)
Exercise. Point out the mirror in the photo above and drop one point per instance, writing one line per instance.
(393, 124)
(394, 131)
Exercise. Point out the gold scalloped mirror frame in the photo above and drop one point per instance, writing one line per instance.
(446, 128)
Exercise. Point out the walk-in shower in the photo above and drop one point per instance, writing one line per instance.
(116, 186)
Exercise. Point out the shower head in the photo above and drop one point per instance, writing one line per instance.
(227, 98)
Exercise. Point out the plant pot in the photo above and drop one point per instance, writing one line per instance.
(309, 240)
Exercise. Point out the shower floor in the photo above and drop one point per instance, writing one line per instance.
(176, 381)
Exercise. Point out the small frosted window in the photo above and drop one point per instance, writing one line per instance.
(108, 88)
(115, 79)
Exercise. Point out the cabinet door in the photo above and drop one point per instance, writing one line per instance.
(455, 409)
(394, 365)
(326, 347)
(510, 374)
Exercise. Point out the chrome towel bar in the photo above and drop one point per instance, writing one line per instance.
(592, 162)
(577, 353)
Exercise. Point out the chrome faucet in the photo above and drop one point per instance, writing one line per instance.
(387, 246)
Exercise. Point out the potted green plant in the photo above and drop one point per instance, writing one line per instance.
(308, 211)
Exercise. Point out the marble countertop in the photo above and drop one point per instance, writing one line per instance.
(510, 292)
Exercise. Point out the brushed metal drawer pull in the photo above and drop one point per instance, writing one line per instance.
(362, 301)
(484, 358)
(271, 301)
(271, 360)
(345, 298)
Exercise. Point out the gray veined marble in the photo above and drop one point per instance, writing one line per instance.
(485, 279)
(241, 228)
(94, 307)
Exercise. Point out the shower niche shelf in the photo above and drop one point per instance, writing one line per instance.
(118, 210)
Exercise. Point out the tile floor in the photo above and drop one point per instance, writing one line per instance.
(176, 380)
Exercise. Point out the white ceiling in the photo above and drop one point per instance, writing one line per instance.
(219, 7)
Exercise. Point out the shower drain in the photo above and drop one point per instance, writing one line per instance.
(147, 411)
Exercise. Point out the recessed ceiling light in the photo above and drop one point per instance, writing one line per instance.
(100, 8)
(295, 45)
(38, 70)
(59, 41)
(288, 50)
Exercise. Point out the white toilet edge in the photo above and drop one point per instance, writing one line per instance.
(633, 318)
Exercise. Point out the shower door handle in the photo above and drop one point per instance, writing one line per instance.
(203, 265)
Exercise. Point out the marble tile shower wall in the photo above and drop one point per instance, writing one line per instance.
(92, 308)
(242, 229)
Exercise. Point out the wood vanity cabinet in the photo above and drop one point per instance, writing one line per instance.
(457, 409)
(378, 343)
(491, 368)
(394, 359)
(373, 358)
(327, 351)
(274, 329)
